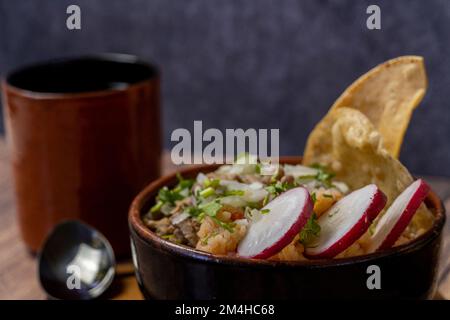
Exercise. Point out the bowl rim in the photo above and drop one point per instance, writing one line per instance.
(138, 229)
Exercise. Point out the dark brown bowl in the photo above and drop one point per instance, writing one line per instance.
(166, 270)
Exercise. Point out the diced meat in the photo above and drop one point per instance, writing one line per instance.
(189, 229)
(161, 227)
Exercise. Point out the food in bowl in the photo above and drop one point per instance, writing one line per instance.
(226, 211)
(212, 213)
(355, 147)
(166, 270)
(350, 196)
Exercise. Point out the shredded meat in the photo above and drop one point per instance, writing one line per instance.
(162, 227)
(188, 230)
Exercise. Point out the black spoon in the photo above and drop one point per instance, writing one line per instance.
(76, 262)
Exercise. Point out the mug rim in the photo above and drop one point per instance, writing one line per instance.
(124, 58)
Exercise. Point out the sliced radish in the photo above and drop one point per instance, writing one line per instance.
(397, 217)
(268, 233)
(346, 221)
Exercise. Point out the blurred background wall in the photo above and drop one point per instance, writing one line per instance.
(254, 63)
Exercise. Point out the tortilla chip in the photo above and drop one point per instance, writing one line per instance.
(387, 95)
(357, 155)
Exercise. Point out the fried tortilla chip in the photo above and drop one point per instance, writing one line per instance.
(358, 157)
(387, 95)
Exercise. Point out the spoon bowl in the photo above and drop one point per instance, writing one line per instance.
(76, 262)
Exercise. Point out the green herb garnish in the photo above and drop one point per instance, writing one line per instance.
(194, 211)
(310, 231)
(156, 207)
(205, 240)
(372, 229)
(183, 183)
(323, 175)
(279, 187)
(207, 192)
(169, 196)
(313, 197)
(211, 208)
(266, 199)
(265, 211)
(234, 193)
(211, 183)
(165, 195)
(227, 226)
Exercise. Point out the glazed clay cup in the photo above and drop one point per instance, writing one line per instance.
(84, 138)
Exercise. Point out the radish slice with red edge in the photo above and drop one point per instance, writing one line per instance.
(269, 233)
(397, 217)
(346, 221)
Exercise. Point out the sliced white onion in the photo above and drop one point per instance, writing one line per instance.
(299, 170)
(201, 177)
(166, 209)
(180, 218)
(233, 201)
(253, 192)
(242, 222)
(341, 186)
(256, 185)
(251, 195)
(224, 169)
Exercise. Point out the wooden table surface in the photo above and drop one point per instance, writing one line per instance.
(18, 273)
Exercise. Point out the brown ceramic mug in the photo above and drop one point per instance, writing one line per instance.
(84, 138)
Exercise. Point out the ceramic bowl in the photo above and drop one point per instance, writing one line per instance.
(170, 271)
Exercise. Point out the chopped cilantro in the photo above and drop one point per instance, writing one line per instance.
(372, 229)
(201, 216)
(279, 187)
(271, 189)
(211, 183)
(265, 211)
(194, 211)
(253, 205)
(310, 231)
(183, 183)
(307, 177)
(165, 195)
(234, 193)
(227, 226)
(156, 207)
(323, 175)
(205, 240)
(211, 208)
(313, 197)
(266, 199)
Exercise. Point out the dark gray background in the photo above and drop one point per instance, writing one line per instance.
(253, 63)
